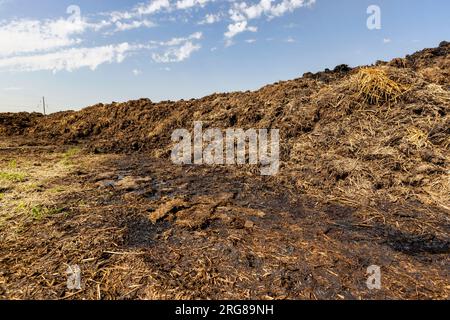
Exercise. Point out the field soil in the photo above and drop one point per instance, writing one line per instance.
(364, 180)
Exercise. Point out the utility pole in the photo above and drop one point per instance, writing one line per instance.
(43, 104)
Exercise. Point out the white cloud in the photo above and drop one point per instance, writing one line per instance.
(241, 11)
(289, 6)
(387, 40)
(63, 44)
(176, 54)
(68, 59)
(211, 18)
(30, 36)
(229, 43)
(137, 72)
(290, 40)
(142, 9)
(152, 7)
(125, 26)
(178, 41)
(177, 49)
(186, 4)
(238, 27)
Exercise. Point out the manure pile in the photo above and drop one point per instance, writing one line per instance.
(364, 180)
(383, 129)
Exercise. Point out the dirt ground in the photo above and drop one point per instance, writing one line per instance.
(364, 180)
(140, 228)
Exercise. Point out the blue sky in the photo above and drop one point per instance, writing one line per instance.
(103, 51)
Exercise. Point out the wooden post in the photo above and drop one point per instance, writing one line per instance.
(43, 104)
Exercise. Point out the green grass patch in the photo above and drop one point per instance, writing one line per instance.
(56, 190)
(13, 176)
(21, 206)
(32, 187)
(12, 164)
(69, 154)
(39, 212)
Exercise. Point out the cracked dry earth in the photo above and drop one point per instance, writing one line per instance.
(142, 228)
